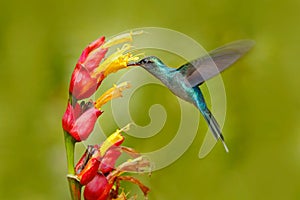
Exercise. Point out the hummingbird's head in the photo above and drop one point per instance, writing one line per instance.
(148, 62)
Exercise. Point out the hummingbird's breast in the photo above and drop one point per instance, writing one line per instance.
(178, 85)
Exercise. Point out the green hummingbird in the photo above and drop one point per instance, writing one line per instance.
(184, 81)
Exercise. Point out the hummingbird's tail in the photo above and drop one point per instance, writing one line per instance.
(214, 127)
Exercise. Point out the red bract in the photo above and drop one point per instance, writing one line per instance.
(79, 121)
(84, 82)
(109, 160)
(87, 166)
(85, 158)
(96, 163)
(88, 173)
(89, 163)
(98, 188)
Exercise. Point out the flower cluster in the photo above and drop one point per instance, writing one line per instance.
(79, 119)
(96, 171)
(89, 71)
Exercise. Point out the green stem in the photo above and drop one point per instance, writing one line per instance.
(75, 188)
(74, 185)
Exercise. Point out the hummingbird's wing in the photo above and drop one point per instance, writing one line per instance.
(203, 68)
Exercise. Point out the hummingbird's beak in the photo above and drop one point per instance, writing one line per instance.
(133, 64)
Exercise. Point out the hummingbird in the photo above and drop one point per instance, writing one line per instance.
(185, 80)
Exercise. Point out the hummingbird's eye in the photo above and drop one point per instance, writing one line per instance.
(148, 61)
(143, 62)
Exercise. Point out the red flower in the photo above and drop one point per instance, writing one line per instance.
(101, 186)
(79, 121)
(89, 72)
(83, 84)
(89, 163)
(96, 168)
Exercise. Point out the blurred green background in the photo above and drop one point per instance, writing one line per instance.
(40, 42)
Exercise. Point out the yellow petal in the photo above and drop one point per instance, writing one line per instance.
(126, 37)
(112, 140)
(110, 94)
(113, 58)
(119, 59)
(109, 142)
(120, 63)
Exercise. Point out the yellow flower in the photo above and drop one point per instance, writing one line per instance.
(119, 59)
(114, 92)
(114, 139)
(125, 37)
